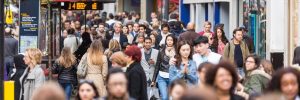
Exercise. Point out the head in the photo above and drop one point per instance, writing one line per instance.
(86, 37)
(296, 59)
(177, 89)
(130, 27)
(133, 53)
(153, 37)
(201, 45)
(174, 16)
(19, 62)
(65, 33)
(252, 62)
(207, 26)
(49, 91)
(71, 31)
(184, 51)
(142, 28)
(95, 53)
(220, 34)
(136, 27)
(117, 27)
(32, 57)
(116, 83)
(165, 28)
(153, 15)
(222, 77)
(267, 66)
(67, 24)
(66, 59)
(101, 27)
(147, 43)
(202, 69)
(141, 38)
(190, 26)
(8, 31)
(85, 28)
(286, 81)
(77, 24)
(113, 46)
(87, 90)
(125, 30)
(171, 40)
(118, 59)
(238, 34)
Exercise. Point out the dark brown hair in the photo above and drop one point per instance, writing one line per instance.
(178, 55)
(210, 75)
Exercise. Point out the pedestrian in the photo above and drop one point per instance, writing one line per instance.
(296, 58)
(126, 32)
(248, 40)
(140, 40)
(207, 26)
(10, 50)
(190, 35)
(65, 67)
(256, 80)
(153, 37)
(161, 72)
(118, 59)
(236, 51)
(267, 66)
(49, 91)
(86, 42)
(97, 66)
(114, 46)
(20, 67)
(87, 90)
(177, 88)
(219, 41)
(287, 82)
(185, 68)
(149, 59)
(117, 85)
(137, 85)
(119, 36)
(224, 79)
(202, 69)
(164, 33)
(33, 76)
(71, 41)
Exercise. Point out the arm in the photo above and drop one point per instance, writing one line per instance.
(157, 66)
(254, 86)
(55, 68)
(226, 51)
(135, 85)
(39, 79)
(174, 74)
(104, 70)
(192, 73)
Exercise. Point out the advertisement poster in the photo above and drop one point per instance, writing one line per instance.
(29, 24)
(27, 42)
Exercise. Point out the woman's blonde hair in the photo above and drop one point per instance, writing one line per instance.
(35, 55)
(95, 53)
(119, 58)
(66, 59)
(114, 45)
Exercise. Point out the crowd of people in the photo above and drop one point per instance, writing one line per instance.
(123, 57)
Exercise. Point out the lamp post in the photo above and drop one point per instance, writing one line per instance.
(2, 51)
(165, 10)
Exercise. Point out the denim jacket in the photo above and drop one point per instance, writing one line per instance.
(190, 78)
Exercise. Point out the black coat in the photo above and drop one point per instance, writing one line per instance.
(20, 68)
(137, 83)
(123, 39)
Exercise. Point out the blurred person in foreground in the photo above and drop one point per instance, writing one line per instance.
(49, 91)
(87, 90)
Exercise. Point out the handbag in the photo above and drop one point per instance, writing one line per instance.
(82, 68)
(153, 93)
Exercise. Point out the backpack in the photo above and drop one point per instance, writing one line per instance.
(82, 68)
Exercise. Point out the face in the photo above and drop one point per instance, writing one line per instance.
(238, 35)
(26, 59)
(207, 28)
(77, 24)
(142, 30)
(289, 85)
(250, 64)
(65, 33)
(130, 28)
(165, 30)
(223, 80)
(147, 44)
(153, 15)
(201, 48)
(141, 39)
(67, 25)
(185, 51)
(101, 28)
(125, 29)
(201, 74)
(86, 92)
(117, 28)
(177, 92)
(170, 41)
(152, 38)
(219, 33)
(136, 27)
(117, 85)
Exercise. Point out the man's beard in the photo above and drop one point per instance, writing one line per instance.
(112, 97)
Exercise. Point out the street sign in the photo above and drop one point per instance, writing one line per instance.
(82, 5)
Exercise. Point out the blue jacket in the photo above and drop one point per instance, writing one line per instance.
(191, 77)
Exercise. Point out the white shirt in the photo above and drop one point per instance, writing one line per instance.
(117, 37)
(212, 57)
(163, 40)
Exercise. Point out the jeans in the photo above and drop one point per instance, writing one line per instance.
(163, 84)
(240, 71)
(68, 89)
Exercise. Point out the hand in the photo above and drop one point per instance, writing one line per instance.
(186, 68)
(151, 62)
(152, 84)
(240, 87)
(172, 61)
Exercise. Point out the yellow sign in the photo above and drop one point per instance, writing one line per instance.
(94, 6)
(9, 19)
(82, 5)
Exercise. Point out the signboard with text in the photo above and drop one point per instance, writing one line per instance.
(82, 5)
(29, 23)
